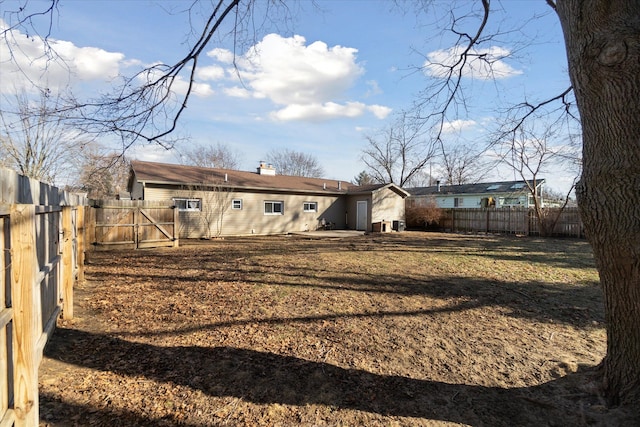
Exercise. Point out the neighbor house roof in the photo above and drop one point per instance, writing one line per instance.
(171, 174)
(507, 187)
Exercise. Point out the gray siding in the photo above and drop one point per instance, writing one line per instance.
(387, 206)
(251, 219)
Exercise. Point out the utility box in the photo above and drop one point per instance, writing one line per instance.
(399, 225)
(381, 227)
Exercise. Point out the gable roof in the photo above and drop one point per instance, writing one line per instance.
(370, 188)
(171, 174)
(506, 187)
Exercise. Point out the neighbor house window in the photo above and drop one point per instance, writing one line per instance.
(186, 205)
(236, 204)
(457, 202)
(273, 208)
(310, 207)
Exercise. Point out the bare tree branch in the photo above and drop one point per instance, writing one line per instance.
(399, 153)
(36, 140)
(295, 163)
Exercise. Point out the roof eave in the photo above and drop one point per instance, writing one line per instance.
(243, 187)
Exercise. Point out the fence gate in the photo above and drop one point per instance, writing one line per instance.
(126, 224)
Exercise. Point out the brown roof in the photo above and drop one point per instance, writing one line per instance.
(165, 173)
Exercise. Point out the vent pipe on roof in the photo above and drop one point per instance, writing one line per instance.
(339, 185)
(226, 178)
(438, 185)
(324, 186)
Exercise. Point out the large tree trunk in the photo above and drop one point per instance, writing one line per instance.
(603, 48)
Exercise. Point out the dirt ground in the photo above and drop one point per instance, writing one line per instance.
(402, 329)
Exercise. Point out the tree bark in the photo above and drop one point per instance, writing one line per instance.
(603, 50)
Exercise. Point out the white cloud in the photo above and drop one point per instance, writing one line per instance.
(380, 111)
(89, 63)
(237, 92)
(288, 72)
(211, 72)
(457, 126)
(221, 55)
(25, 59)
(310, 81)
(319, 112)
(481, 64)
(179, 84)
(329, 110)
(374, 88)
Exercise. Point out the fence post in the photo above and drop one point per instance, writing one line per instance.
(136, 228)
(80, 227)
(176, 227)
(67, 263)
(486, 229)
(90, 226)
(453, 220)
(24, 272)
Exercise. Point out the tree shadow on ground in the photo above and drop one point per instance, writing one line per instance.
(268, 378)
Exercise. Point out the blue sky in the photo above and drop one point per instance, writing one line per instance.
(321, 81)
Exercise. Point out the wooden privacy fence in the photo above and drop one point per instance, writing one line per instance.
(41, 231)
(513, 221)
(132, 224)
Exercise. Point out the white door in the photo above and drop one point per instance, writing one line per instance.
(361, 215)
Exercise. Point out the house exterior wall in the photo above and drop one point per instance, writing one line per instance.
(218, 212)
(471, 201)
(137, 191)
(387, 206)
(351, 208)
(382, 205)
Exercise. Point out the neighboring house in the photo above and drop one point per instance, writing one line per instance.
(488, 194)
(227, 202)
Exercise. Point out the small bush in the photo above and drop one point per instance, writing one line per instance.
(427, 216)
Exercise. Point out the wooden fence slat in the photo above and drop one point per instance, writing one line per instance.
(68, 272)
(6, 314)
(9, 418)
(24, 270)
(80, 225)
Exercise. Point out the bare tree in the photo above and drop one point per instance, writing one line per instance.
(219, 156)
(531, 155)
(102, 176)
(295, 163)
(36, 139)
(215, 200)
(399, 152)
(460, 164)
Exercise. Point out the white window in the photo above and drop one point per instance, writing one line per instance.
(310, 206)
(458, 202)
(188, 205)
(236, 204)
(512, 201)
(273, 208)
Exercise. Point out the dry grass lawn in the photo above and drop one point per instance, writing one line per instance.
(378, 330)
